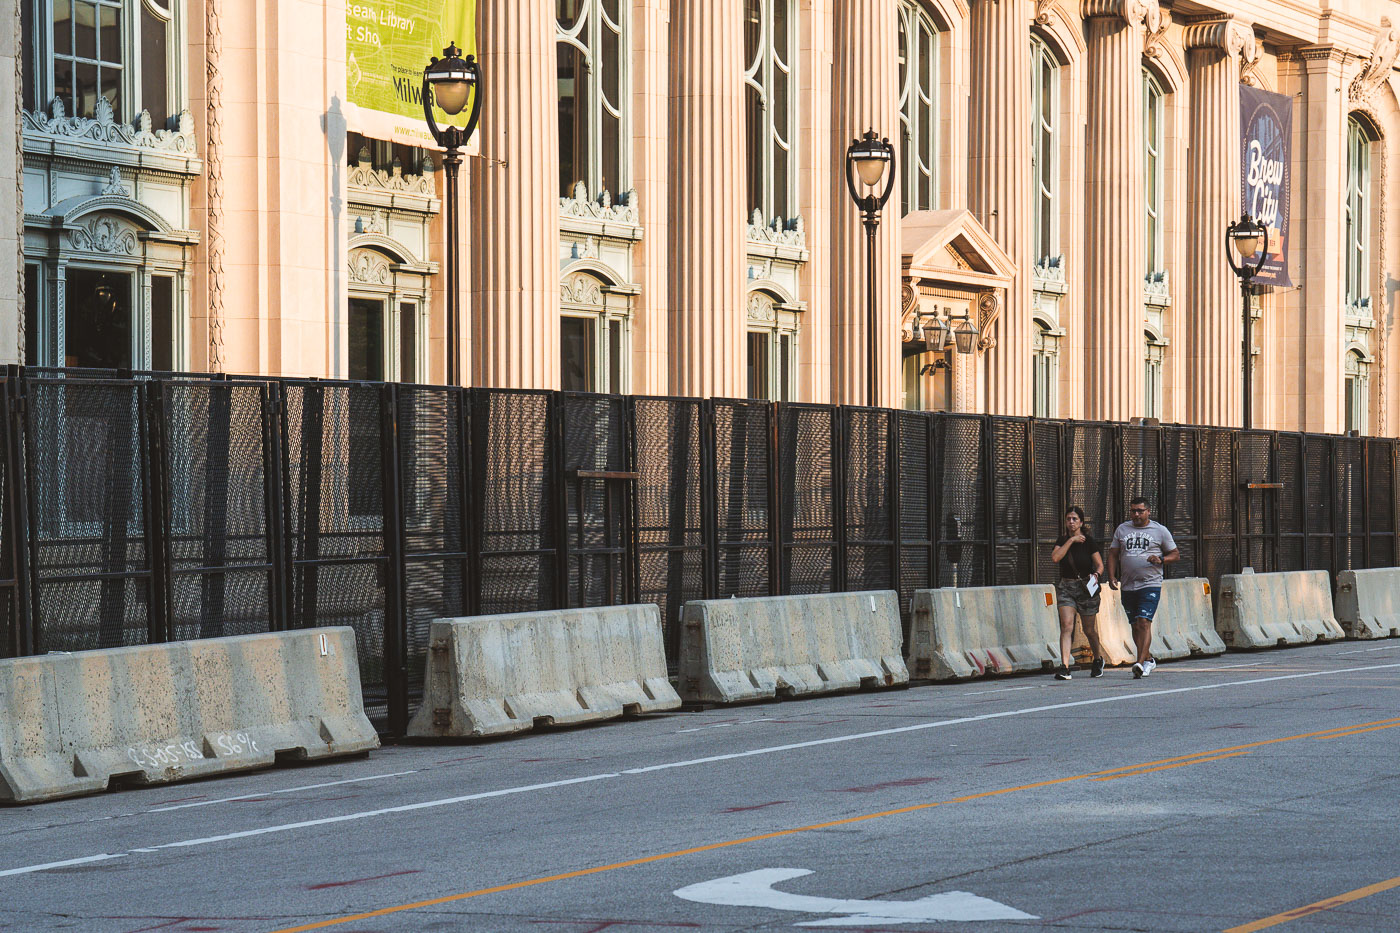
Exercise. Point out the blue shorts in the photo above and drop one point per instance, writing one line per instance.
(1141, 604)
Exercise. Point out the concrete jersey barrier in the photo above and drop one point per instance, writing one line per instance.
(495, 675)
(735, 650)
(1183, 626)
(1368, 602)
(961, 632)
(1264, 610)
(71, 723)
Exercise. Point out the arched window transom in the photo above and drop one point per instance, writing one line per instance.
(918, 106)
(1045, 81)
(591, 46)
(769, 91)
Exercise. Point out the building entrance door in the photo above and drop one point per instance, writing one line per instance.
(97, 323)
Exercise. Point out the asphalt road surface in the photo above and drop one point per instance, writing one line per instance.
(1242, 793)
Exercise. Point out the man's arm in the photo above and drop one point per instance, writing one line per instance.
(1113, 568)
(1171, 556)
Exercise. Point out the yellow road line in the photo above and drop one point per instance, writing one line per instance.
(1290, 915)
(663, 856)
(1179, 764)
(1338, 735)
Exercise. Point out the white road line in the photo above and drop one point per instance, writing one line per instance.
(919, 727)
(284, 790)
(1368, 650)
(63, 864)
(770, 750)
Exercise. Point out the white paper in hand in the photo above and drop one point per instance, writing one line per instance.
(1092, 585)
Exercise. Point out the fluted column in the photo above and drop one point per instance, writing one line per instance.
(1214, 374)
(999, 186)
(866, 97)
(1115, 196)
(514, 191)
(707, 225)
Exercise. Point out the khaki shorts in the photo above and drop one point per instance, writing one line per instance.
(1074, 594)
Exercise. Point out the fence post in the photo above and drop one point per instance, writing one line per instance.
(775, 525)
(309, 506)
(709, 497)
(987, 455)
(840, 520)
(893, 438)
(395, 617)
(22, 635)
(559, 506)
(150, 434)
(274, 411)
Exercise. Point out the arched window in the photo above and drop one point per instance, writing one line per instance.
(1357, 248)
(1045, 81)
(772, 348)
(1152, 375)
(593, 336)
(769, 40)
(1152, 100)
(918, 106)
(1358, 373)
(117, 51)
(592, 61)
(1045, 371)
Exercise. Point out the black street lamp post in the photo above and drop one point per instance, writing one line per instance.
(1246, 237)
(448, 81)
(870, 160)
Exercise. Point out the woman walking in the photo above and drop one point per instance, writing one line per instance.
(1081, 567)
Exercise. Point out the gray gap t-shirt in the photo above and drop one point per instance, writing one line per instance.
(1134, 544)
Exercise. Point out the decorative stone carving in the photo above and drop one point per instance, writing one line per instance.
(370, 268)
(778, 232)
(1157, 288)
(581, 289)
(988, 309)
(115, 186)
(1133, 12)
(1377, 68)
(625, 210)
(1050, 269)
(214, 177)
(761, 309)
(1042, 11)
(103, 128)
(364, 175)
(956, 258)
(375, 224)
(1158, 22)
(104, 235)
(1228, 35)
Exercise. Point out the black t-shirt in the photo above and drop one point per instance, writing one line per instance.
(1079, 561)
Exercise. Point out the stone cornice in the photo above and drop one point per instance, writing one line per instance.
(601, 216)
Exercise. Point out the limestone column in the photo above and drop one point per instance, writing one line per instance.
(514, 191)
(1115, 196)
(11, 181)
(1322, 150)
(999, 184)
(707, 224)
(1214, 374)
(866, 96)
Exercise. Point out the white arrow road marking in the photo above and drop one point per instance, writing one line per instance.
(755, 889)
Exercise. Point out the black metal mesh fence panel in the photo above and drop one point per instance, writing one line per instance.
(14, 637)
(1092, 479)
(1047, 474)
(1349, 506)
(1178, 507)
(214, 439)
(744, 530)
(1012, 519)
(432, 507)
(514, 478)
(334, 475)
(1288, 459)
(1380, 512)
(1217, 477)
(915, 476)
(963, 529)
(1258, 502)
(671, 548)
(867, 481)
(1317, 481)
(807, 492)
(89, 551)
(596, 499)
(1141, 470)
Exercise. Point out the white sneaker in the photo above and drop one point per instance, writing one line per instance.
(1138, 670)
(1149, 666)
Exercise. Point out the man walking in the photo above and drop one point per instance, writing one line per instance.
(1140, 549)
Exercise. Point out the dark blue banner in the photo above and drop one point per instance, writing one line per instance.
(1266, 143)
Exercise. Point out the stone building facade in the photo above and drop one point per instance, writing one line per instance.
(659, 204)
